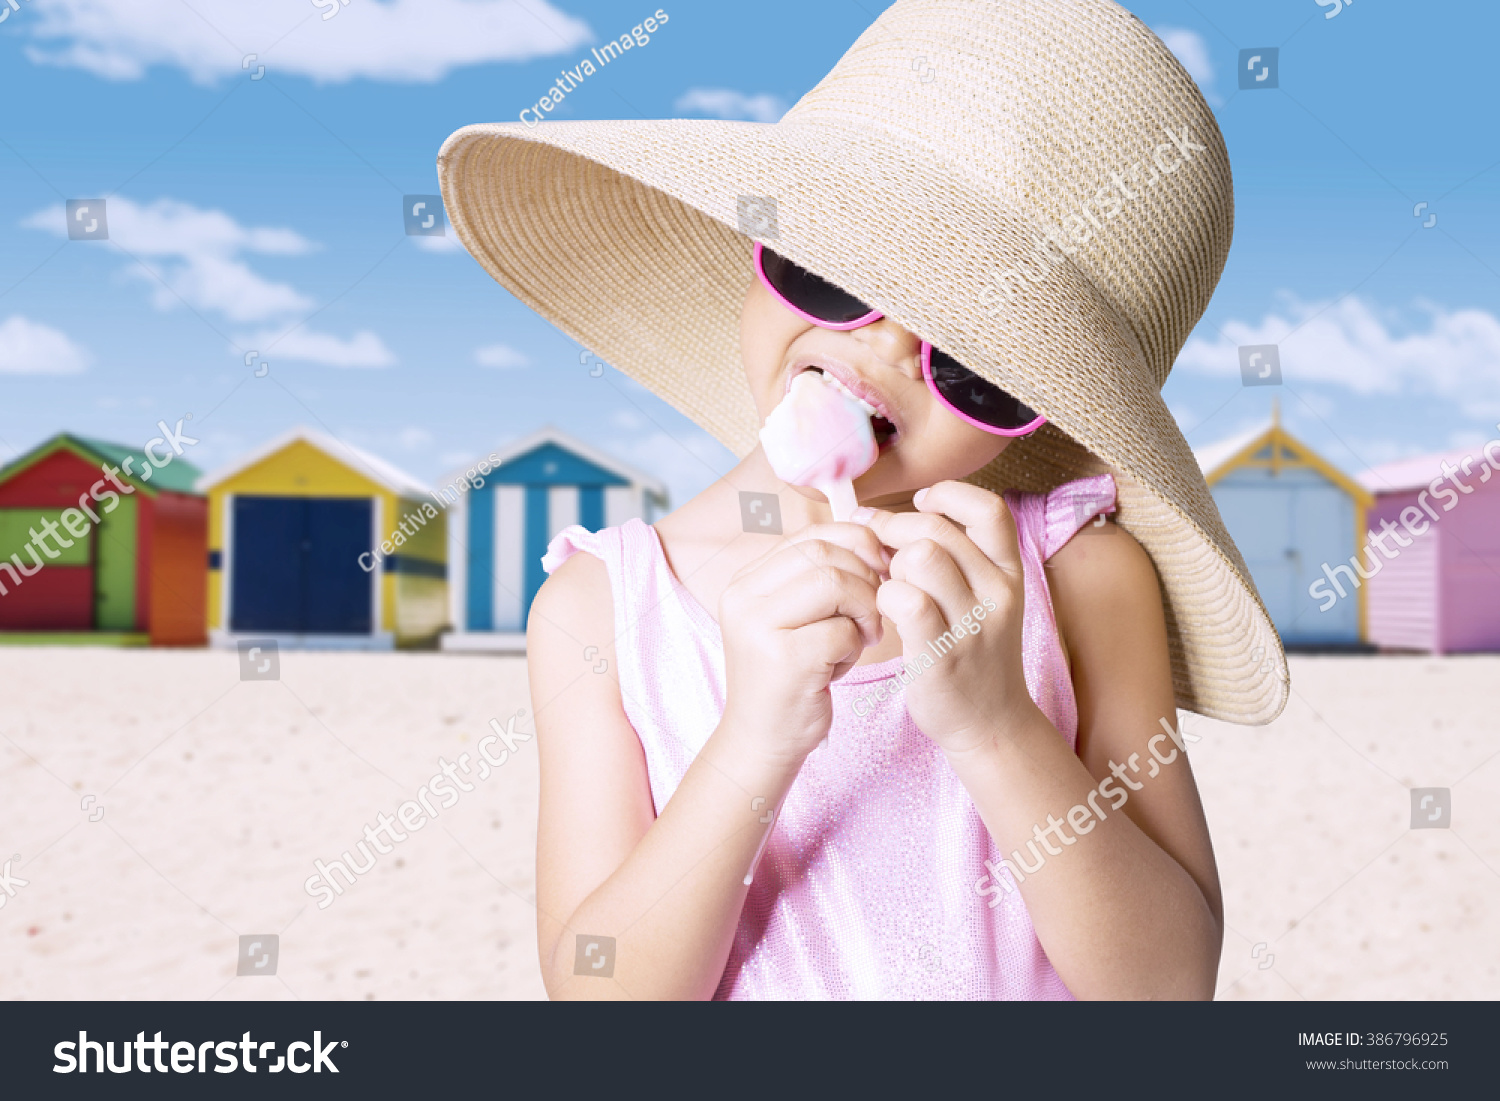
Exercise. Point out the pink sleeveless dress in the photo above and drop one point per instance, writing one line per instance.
(868, 885)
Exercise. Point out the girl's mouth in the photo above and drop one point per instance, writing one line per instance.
(881, 427)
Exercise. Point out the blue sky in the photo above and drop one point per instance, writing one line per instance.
(265, 214)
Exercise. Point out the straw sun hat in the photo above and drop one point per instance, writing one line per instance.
(1035, 186)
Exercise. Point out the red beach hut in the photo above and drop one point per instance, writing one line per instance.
(1438, 518)
(96, 540)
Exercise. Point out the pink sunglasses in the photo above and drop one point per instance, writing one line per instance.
(963, 393)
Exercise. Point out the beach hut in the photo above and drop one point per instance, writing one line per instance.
(319, 544)
(1436, 520)
(1297, 520)
(506, 508)
(98, 544)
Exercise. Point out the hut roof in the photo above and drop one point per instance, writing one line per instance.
(1218, 455)
(1414, 473)
(390, 477)
(1218, 459)
(550, 434)
(178, 476)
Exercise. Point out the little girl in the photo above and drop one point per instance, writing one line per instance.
(920, 754)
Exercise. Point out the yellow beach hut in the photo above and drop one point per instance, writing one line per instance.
(1299, 521)
(318, 544)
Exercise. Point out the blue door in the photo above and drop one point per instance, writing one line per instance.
(1261, 524)
(1323, 520)
(1287, 528)
(295, 565)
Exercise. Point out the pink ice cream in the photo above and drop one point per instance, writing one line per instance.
(820, 436)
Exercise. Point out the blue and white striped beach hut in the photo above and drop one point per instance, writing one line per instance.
(505, 508)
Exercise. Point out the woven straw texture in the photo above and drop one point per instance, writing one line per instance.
(1036, 187)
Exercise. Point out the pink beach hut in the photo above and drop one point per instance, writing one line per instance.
(1439, 517)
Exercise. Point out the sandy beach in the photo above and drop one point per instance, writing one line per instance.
(218, 794)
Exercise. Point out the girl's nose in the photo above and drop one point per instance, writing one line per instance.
(893, 344)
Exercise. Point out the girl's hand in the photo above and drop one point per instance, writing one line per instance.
(793, 622)
(957, 582)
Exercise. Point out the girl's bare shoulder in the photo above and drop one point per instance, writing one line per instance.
(1102, 581)
(575, 598)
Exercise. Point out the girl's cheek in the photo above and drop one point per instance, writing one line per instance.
(765, 336)
(944, 447)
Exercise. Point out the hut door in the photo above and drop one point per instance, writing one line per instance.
(1323, 518)
(295, 565)
(115, 568)
(1260, 520)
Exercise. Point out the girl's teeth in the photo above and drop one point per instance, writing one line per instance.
(841, 388)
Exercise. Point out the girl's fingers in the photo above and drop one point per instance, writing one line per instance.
(835, 636)
(787, 564)
(984, 516)
(856, 538)
(926, 565)
(905, 529)
(814, 596)
(913, 611)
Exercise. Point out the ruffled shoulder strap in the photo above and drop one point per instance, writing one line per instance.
(1072, 505)
(603, 545)
(1044, 522)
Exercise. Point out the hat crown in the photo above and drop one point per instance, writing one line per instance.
(1071, 113)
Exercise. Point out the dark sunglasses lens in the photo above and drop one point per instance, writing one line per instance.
(974, 397)
(810, 293)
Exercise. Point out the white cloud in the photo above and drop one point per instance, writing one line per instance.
(1352, 345)
(726, 103)
(195, 256)
(31, 348)
(500, 355)
(413, 438)
(1192, 51)
(446, 243)
(363, 349)
(397, 40)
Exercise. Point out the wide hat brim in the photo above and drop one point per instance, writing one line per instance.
(626, 235)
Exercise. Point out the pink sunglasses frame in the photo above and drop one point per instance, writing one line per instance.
(869, 319)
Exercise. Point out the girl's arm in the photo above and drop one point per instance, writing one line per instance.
(669, 889)
(1126, 901)
(1131, 908)
(1108, 604)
